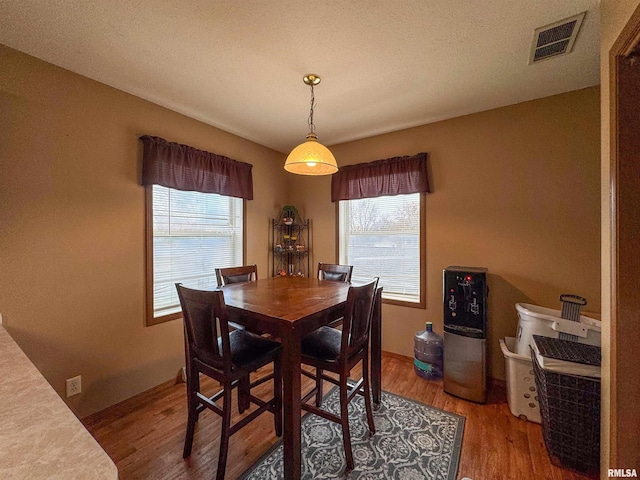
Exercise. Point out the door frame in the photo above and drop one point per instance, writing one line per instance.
(624, 88)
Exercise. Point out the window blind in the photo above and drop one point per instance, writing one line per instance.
(380, 237)
(193, 234)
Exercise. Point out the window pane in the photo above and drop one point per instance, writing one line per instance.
(380, 237)
(193, 234)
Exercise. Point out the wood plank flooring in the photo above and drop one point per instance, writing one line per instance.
(144, 435)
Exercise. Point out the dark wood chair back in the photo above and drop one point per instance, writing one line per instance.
(337, 273)
(356, 324)
(206, 327)
(245, 273)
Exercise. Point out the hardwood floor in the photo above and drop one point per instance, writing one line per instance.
(144, 435)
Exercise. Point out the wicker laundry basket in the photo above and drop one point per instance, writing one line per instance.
(569, 404)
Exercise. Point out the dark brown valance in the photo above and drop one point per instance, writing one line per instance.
(393, 176)
(186, 168)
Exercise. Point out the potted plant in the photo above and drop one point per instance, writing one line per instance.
(289, 213)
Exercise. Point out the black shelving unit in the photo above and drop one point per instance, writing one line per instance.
(290, 247)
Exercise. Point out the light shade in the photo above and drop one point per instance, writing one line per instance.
(311, 158)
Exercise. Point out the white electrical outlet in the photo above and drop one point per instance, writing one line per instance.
(74, 386)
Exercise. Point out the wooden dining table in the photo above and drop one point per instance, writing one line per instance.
(289, 308)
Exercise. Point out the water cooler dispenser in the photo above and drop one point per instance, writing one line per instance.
(465, 332)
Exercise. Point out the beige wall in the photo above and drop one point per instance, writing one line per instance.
(72, 227)
(523, 179)
(614, 14)
(516, 190)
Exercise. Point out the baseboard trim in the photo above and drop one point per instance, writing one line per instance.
(396, 356)
(494, 382)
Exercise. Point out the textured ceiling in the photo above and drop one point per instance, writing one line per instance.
(238, 64)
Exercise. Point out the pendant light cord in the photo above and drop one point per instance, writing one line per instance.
(312, 127)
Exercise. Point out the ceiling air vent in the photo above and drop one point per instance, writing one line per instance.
(555, 39)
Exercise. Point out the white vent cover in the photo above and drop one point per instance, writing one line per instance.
(555, 39)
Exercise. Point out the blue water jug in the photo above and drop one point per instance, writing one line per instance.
(428, 353)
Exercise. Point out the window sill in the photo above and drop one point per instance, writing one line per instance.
(151, 320)
(404, 303)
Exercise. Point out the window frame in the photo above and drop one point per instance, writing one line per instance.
(150, 319)
(422, 303)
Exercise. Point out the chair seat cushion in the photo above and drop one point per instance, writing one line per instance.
(250, 351)
(322, 344)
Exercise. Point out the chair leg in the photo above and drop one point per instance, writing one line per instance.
(224, 437)
(367, 393)
(188, 440)
(318, 387)
(244, 402)
(192, 411)
(277, 395)
(344, 417)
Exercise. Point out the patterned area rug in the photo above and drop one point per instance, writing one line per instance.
(412, 442)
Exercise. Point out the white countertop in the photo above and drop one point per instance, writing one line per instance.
(40, 438)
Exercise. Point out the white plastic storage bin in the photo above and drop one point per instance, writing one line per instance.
(535, 320)
(521, 383)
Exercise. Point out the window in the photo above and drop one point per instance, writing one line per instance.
(385, 237)
(194, 219)
(190, 234)
(382, 223)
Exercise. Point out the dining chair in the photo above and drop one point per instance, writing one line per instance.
(335, 273)
(212, 350)
(338, 273)
(228, 276)
(332, 350)
(245, 273)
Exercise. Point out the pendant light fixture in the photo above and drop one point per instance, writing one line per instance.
(311, 157)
